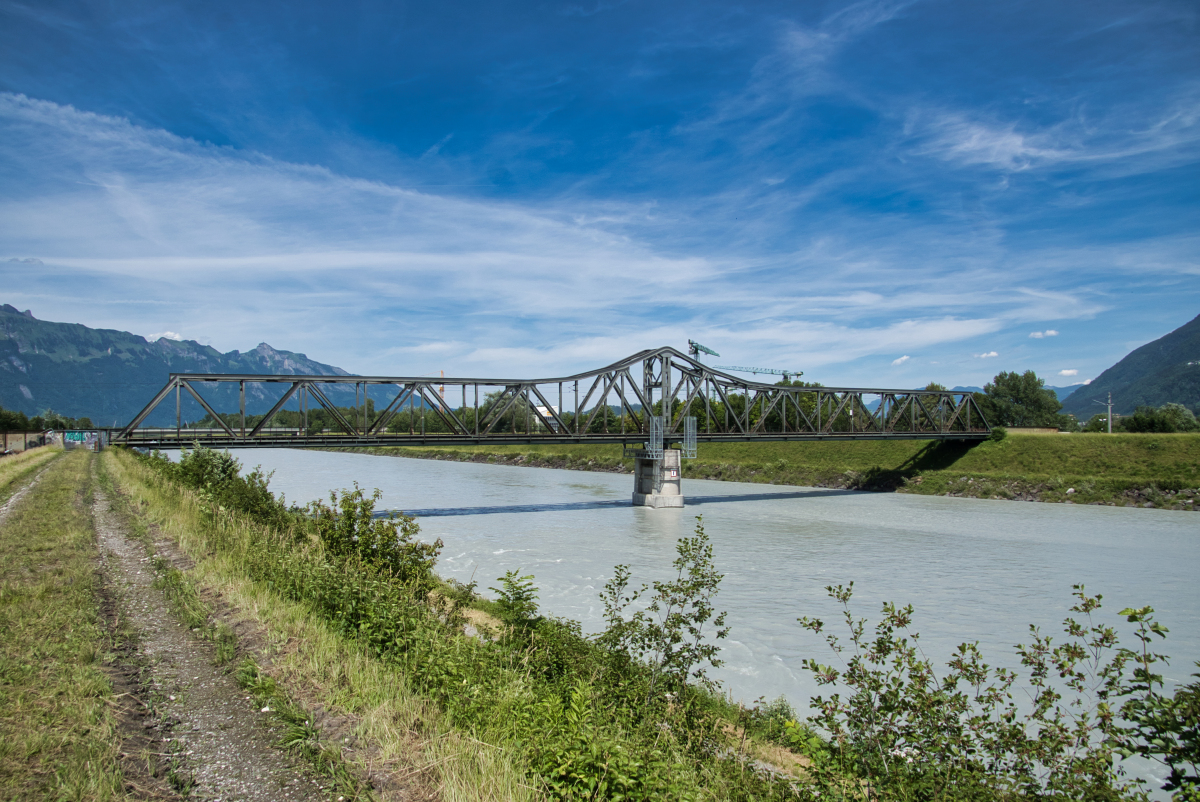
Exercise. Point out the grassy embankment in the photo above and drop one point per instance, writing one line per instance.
(60, 735)
(396, 729)
(531, 710)
(18, 467)
(1161, 470)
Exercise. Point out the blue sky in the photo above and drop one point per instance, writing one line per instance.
(878, 193)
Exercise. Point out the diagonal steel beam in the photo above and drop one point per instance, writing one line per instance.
(495, 418)
(391, 410)
(800, 410)
(929, 416)
(695, 381)
(146, 410)
(448, 417)
(725, 401)
(331, 409)
(562, 426)
(609, 381)
(278, 406)
(588, 395)
(188, 386)
(845, 397)
(762, 421)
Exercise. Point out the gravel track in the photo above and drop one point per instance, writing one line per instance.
(226, 742)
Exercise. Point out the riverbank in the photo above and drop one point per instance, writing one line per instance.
(1126, 470)
(176, 630)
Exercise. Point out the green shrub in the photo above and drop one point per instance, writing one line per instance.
(348, 525)
(906, 731)
(517, 604)
(669, 635)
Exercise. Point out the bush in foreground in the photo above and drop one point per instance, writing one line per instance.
(629, 714)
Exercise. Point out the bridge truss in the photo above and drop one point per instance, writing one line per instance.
(615, 404)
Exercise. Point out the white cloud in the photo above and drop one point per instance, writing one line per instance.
(987, 355)
(1068, 373)
(170, 335)
(151, 230)
(954, 138)
(901, 360)
(1037, 335)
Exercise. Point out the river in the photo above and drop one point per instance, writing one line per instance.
(972, 569)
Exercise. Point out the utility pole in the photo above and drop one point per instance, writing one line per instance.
(1101, 403)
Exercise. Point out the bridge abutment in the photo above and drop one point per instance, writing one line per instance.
(658, 483)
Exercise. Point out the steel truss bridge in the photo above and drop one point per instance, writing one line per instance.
(686, 401)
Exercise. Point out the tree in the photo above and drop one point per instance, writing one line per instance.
(934, 387)
(1167, 418)
(1019, 399)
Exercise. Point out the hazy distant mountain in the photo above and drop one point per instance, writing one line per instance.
(110, 375)
(1153, 375)
(1061, 392)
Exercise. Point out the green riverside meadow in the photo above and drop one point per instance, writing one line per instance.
(1157, 470)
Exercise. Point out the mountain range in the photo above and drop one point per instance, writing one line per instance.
(1061, 392)
(1166, 370)
(110, 375)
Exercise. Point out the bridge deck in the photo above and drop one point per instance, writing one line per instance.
(433, 441)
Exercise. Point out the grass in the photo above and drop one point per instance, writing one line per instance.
(60, 735)
(531, 699)
(15, 468)
(1100, 468)
(315, 665)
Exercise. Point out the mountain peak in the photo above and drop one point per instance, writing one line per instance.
(14, 311)
(1152, 375)
(108, 375)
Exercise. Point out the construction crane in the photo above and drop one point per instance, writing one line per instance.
(786, 374)
(694, 349)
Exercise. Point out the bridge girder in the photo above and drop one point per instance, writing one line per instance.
(669, 383)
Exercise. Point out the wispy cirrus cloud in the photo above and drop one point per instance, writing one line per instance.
(1137, 135)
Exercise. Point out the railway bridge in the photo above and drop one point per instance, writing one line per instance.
(659, 404)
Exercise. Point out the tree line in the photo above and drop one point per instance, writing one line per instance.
(1023, 400)
(16, 421)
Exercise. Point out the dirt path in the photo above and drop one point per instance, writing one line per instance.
(16, 497)
(226, 742)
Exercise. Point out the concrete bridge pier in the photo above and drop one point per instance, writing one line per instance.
(657, 482)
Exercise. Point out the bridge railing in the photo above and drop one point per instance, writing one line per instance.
(613, 404)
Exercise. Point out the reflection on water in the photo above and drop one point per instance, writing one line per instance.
(973, 569)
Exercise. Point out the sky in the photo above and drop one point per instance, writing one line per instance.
(880, 194)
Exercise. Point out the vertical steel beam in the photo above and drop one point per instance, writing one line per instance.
(178, 410)
(667, 403)
(476, 408)
(242, 404)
